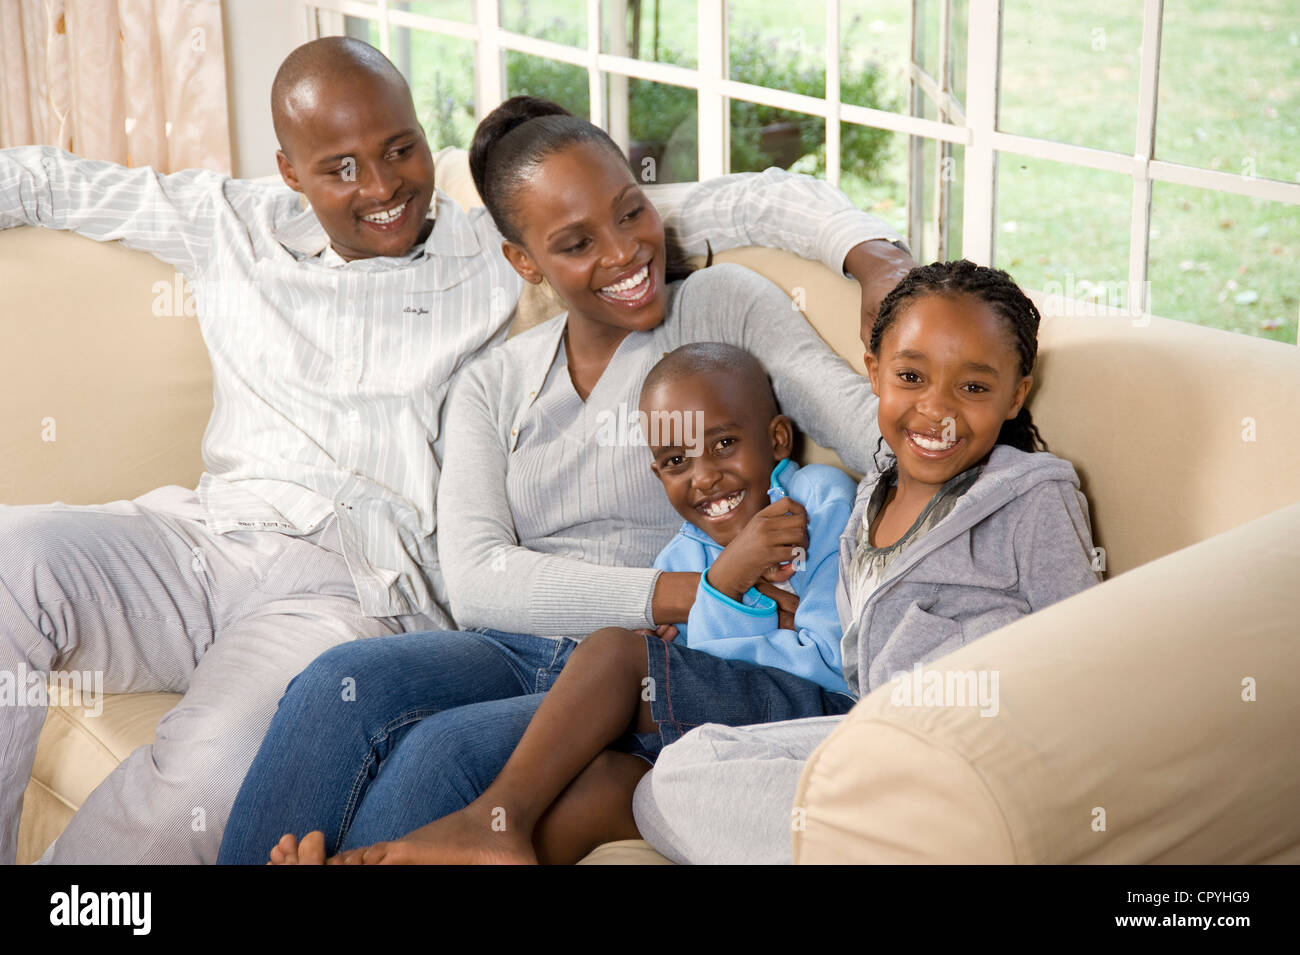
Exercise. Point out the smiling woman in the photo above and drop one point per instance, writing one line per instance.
(547, 530)
(367, 173)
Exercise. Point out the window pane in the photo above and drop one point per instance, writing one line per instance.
(875, 44)
(763, 137)
(664, 126)
(462, 10)
(927, 36)
(1071, 78)
(562, 83)
(1064, 229)
(1224, 260)
(440, 72)
(777, 44)
(960, 28)
(1230, 87)
(880, 186)
(660, 30)
(937, 180)
(362, 29)
(560, 21)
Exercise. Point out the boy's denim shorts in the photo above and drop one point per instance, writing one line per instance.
(688, 688)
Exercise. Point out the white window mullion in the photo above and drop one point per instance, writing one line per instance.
(979, 188)
(915, 156)
(615, 122)
(1139, 242)
(384, 41)
(489, 69)
(711, 16)
(942, 150)
(833, 92)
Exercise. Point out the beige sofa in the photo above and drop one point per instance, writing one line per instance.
(1122, 734)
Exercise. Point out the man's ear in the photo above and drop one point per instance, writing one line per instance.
(1022, 392)
(781, 430)
(286, 171)
(522, 262)
(873, 372)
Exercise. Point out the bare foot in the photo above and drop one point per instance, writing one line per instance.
(472, 836)
(289, 851)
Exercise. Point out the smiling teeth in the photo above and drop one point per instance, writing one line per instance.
(723, 505)
(931, 444)
(629, 283)
(389, 216)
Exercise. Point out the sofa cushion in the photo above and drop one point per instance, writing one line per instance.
(124, 393)
(75, 753)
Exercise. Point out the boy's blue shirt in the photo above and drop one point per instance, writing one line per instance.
(748, 630)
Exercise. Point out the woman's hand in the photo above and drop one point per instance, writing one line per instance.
(674, 595)
(775, 535)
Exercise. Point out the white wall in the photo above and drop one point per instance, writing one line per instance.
(259, 34)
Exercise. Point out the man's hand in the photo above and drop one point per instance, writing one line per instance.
(878, 265)
(775, 535)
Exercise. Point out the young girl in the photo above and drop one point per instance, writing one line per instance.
(965, 528)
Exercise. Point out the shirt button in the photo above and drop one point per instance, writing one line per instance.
(532, 394)
(514, 431)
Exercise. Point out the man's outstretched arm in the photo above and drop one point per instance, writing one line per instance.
(173, 217)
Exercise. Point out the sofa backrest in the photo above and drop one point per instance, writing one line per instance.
(1177, 432)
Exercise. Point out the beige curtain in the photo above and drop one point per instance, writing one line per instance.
(138, 82)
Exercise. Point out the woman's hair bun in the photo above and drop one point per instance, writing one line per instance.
(499, 124)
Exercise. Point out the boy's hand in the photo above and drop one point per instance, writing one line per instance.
(774, 535)
(786, 603)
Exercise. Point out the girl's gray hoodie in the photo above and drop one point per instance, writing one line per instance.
(1017, 541)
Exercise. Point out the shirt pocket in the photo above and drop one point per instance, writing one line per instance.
(408, 356)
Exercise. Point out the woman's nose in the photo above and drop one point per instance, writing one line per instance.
(619, 251)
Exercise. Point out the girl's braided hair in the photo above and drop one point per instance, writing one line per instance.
(999, 292)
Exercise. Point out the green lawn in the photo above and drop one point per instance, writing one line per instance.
(1229, 100)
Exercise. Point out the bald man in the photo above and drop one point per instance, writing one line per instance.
(333, 333)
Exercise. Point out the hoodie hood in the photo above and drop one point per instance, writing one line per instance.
(1007, 474)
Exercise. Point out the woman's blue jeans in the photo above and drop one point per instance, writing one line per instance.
(379, 736)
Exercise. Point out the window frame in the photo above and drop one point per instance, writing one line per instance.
(971, 125)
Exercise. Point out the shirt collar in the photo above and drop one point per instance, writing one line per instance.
(452, 234)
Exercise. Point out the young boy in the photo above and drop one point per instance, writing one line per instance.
(310, 526)
(568, 786)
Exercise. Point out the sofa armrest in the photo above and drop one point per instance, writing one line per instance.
(1152, 719)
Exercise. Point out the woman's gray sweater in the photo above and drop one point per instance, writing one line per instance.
(549, 515)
